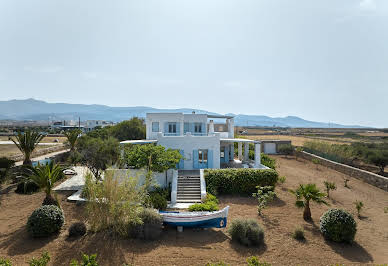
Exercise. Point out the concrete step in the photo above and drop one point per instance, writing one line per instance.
(188, 201)
(189, 193)
(197, 196)
(188, 189)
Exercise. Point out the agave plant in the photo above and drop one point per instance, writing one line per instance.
(306, 193)
(26, 143)
(72, 136)
(45, 177)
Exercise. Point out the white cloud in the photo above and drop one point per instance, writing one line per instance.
(43, 69)
(368, 5)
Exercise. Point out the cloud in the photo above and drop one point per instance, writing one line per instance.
(367, 5)
(43, 69)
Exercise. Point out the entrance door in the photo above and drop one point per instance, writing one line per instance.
(202, 158)
(270, 148)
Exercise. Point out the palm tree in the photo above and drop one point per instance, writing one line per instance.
(45, 176)
(26, 143)
(72, 136)
(306, 193)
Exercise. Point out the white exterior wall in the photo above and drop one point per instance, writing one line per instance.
(162, 118)
(140, 174)
(188, 143)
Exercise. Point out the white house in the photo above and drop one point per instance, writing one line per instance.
(195, 138)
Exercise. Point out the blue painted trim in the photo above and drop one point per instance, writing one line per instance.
(212, 223)
(210, 159)
(195, 159)
(181, 164)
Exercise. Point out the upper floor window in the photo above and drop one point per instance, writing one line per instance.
(198, 127)
(171, 127)
(155, 126)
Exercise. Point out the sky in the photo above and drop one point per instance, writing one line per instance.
(322, 60)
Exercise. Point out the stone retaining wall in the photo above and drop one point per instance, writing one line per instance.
(40, 152)
(368, 177)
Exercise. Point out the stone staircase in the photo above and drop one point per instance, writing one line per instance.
(189, 188)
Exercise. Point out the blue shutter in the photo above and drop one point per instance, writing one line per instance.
(210, 159)
(166, 127)
(227, 154)
(186, 127)
(203, 128)
(195, 159)
(178, 129)
(181, 162)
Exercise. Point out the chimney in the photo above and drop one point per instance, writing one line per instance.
(193, 112)
(211, 127)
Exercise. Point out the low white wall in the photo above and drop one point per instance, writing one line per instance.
(162, 179)
(203, 184)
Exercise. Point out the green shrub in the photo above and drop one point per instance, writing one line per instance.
(286, 149)
(202, 207)
(359, 205)
(158, 200)
(254, 261)
(87, 260)
(209, 204)
(268, 161)
(5, 262)
(27, 187)
(298, 234)
(77, 229)
(45, 221)
(329, 186)
(264, 195)
(152, 224)
(338, 225)
(282, 180)
(247, 232)
(220, 263)
(238, 181)
(42, 261)
(5, 165)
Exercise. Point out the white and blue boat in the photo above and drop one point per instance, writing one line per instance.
(216, 219)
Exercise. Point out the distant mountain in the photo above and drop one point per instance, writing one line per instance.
(31, 109)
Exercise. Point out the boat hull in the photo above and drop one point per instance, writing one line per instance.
(197, 219)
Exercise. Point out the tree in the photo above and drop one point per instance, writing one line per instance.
(72, 136)
(380, 159)
(329, 186)
(26, 143)
(97, 154)
(5, 165)
(264, 195)
(45, 177)
(306, 193)
(286, 149)
(130, 129)
(152, 157)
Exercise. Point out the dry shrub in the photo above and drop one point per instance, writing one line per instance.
(114, 203)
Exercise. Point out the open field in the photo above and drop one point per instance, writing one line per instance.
(44, 140)
(197, 247)
(295, 140)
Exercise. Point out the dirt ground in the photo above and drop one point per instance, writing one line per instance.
(8, 150)
(198, 247)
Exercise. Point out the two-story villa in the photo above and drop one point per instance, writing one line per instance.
(195, 137)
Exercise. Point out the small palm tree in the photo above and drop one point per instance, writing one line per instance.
(27, 143)
(329, 186)
(306, 193)
(45, 177)
(72, 136)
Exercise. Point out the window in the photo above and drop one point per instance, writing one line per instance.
(222, 152)
(155, 126)
(172, 128)
(202, 156)
(186, 127)
(198, 128)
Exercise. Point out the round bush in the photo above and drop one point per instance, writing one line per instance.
(152, 224)
(45, 221)
(338, 225)
(77, 229)
(158, 201)
(247, 232)
(27, 187)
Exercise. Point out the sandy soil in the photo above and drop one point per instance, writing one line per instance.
(197, 247)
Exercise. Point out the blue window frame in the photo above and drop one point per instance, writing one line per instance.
(155, 126)
(171, 127)
(186, 127)
(197, 127)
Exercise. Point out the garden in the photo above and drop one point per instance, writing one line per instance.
(274, 216)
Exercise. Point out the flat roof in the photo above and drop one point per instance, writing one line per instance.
(240, 140)
(139, 141)
(219, 116)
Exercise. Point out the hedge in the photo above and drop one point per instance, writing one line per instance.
(238, 181)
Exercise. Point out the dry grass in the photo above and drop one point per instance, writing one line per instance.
(8, 150)
(44, 140)
(197, 247)
(295, 140)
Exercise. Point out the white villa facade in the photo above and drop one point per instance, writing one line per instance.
(195, 138)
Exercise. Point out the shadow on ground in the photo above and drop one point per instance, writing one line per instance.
(354, 252)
